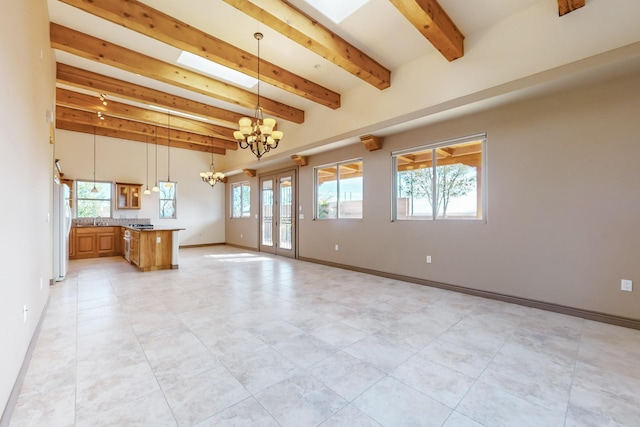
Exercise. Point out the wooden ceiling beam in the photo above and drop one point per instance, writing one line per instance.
(139, 17)
(95, 49)
(151, 131)
(131, 136)
(566, 6)
(307, 32)
(69, 98)
(76, 77)
(433, 22)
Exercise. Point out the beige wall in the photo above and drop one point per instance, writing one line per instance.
(563, 204)
(200, 208)
(26, 94)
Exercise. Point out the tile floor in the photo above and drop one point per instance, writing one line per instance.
(240, 338)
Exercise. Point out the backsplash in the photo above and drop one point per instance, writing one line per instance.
(110, 221)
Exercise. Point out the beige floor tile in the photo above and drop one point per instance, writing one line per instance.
(237, 337)
(248, 413)
(434, 380)
(379, 352)
(338, 334)
(346, 375)
(458, 420)
(352, 417)
(304, 350)
(494, 406)
(150, 410)
(197, 398)
(392, 403)
(259, 370)
(300, 401)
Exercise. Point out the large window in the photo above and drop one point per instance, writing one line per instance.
(339, 191)
(93, 200)
(168, 199)
(440, 181)
(240, 200)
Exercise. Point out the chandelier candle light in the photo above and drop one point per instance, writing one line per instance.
(211, 177)
(258, 133)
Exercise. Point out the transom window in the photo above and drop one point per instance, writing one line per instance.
(440, 181)
(93, 199)
(168, 199)
(339, 190)
(241, 200)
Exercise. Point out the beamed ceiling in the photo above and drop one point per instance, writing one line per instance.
(126, 49)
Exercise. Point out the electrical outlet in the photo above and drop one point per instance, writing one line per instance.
(241, 235)
(41, 283)
(336, 247)
(626, 285)
(428, 259)
(158, 239)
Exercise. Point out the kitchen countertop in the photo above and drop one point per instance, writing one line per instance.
(155, 228)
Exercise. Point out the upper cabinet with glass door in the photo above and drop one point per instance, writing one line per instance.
(128, 195)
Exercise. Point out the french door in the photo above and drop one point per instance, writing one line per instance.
(278, 213)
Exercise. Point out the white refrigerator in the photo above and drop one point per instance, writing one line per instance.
(61, 228)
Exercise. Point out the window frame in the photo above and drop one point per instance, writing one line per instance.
(315, 189)
(78, 199)
(482, 187)
(241, 185)
(174, 199)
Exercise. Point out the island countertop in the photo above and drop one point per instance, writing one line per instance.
(155, 228)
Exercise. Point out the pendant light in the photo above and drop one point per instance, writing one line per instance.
(155, 188)
(146, 191)
(211, 177)
(168, 184)
(94, 189)
(258, 134)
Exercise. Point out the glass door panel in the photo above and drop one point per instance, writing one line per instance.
(286, 219)
(266, 226)
(277, 214)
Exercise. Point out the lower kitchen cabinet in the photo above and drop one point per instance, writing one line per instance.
(72, 243)
(151, 249)
(93, 242)
(134, 248)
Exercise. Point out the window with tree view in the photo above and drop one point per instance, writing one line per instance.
(167, 199)
(339, 190)
(93, 199)
(240, 200)
(441, 181)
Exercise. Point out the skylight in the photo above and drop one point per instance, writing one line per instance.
(178, 113)
(336, 10)
(216, 70)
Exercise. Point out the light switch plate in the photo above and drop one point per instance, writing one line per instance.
(626, 285)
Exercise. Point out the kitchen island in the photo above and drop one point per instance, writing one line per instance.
(151, 249)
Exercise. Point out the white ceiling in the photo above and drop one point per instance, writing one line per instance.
(381, 31)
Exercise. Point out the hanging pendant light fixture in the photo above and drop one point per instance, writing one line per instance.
(211, 177)
(94, 189)
(155, 188)
(258, 134)
(168, 184)
(146, 191)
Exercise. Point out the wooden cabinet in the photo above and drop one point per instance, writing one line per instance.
(85, 244)
(105, 243)
(152, 249)
(72, 243)
(134, 248)
(92, 242)
(128, 196)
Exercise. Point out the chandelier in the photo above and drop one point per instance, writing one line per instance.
(258, 133)
(211, 177)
